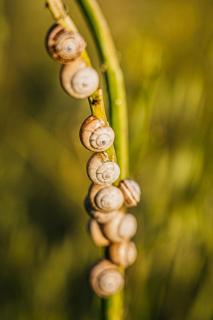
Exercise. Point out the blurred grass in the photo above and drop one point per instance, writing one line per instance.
(166, 51)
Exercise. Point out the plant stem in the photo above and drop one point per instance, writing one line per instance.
(114, 80)
(96, 100)
(112, 308)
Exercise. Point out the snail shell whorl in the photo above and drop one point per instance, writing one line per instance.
(64, 46)
(78, 80)
(105, 279)
(121, 227)
(105, 198)
(97, 234)
(95, 135)
(102, 171)
(123, 254)
(131, 191)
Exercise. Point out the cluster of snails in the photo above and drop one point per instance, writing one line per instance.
(77, 78)
(109, 225)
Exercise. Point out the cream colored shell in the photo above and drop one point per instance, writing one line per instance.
(121, 227)
(78, 80)
(102, 171)
(96, 234)
(105, 198)
(123, 253)
(131, 191)
(95, 135)
(64, 46)
(106, 279)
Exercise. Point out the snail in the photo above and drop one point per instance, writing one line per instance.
(102, 171)
(97, 234)
(64, 46)
(121, 227)
(78, 80)
(123, 253)
(95, 135)
(106, 279)
(105, 198)
(131, 192)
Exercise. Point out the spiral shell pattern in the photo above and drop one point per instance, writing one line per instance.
(78, 80)
(64, 46)
(105, 198)
(102, 171)
(96, 135)
(105, 279)
(84, 82)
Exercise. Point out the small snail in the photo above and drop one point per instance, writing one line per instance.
(121, 227)
(78, 80)
(106, 279)
(95, 135)
(97, 234)
(102, 171)
(123, 253)
(105, 198)
(64, 46)
(131, 192)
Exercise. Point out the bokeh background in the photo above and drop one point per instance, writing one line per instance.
(166, 51)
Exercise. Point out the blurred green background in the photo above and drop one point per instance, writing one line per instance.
(166, 51)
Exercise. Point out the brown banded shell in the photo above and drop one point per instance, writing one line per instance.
(101, 171)
(123, 253)
(78, 80)
(131, 191)
(96, 234)
(64, 46)
(121, 227)
(105, 198)
(95, 135)
(106, 279)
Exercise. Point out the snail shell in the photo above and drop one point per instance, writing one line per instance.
(78, 80)
(64, 46)
(97, 234)
(105, 198)
(121, 227)
(95, 135)
(123, 254)
(106, 279)
(101, 171)
(131, 191)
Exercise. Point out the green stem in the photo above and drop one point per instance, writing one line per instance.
(114, 80)
(112, 308)
(96, 100)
